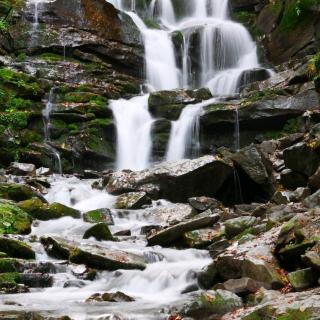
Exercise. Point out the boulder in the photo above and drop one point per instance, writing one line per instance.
(132, 200)
(177, 181)
(16, 192)
(312, 257)
(303, 279)
(202, 238)
(301, 158)
(170, 235)
(99, 215)
(22, 169)
(43, 211)
(99, 231)
(253, 259)
(110, 297)
(211, 304)
(313, 201)
(291, 179)
(16, 249)
(234, 227)
(204, 203)
(13, 220)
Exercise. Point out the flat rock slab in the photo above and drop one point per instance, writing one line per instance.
(169, 235)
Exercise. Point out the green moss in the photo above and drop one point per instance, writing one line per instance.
(297, 12)
(16, 120)
(152, 24)
(10, 278)
(13, 220)
(293, 314)
(9, 265)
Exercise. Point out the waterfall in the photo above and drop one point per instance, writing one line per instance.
(222, 51)
(47, 127)
(133, 132)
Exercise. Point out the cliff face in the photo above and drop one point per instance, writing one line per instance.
(285, 28)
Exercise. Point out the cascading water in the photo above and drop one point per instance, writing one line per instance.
(225, 52)
(47, 127)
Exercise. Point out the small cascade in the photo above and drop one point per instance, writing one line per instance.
(47, 127)
(185, 132)
(133, 132)
(236, 130)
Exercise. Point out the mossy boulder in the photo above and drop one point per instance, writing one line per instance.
(10, 265)
(312, 257)
(16, 192)
(303, 279)
(99, 231)
(9, 279)
(236, 226)
(13, 220)
(99, 215)
(43, 211)
(16, 249)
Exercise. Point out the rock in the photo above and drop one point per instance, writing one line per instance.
(42, 211)
(99, 215)
(36, 280)
(132, 200)
(22, 169)
(110, 297)
(202, 238)
(16, 192)
(303, 279)
(207, 278)
(253, 163)
(314, 180)
(296, 236)
(168, 236)
(234, 227)
(13, 220)
(292, 179)
(43, 172)
(93, 256)
(146, 230)
(242, 286)
(253, 259)
(312, 201)
(300, 194)
(281, 197)
(210, 304)
(312, 257)
(177, 181)
(16, 249)
(204, 203)
(10, 265)
(99, 231)
(74, 284)
(218, 247)
(301, 158)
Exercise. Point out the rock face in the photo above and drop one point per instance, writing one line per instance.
(175, 181)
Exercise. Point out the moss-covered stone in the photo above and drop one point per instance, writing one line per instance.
(16, 249)
(303, 279)
(42, 211)
(236, 226)
(16, 192)
(99, 231)
(98, 215)
(10, 265)
(13, 220)
(9, 279)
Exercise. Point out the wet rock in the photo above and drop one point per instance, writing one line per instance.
(204, 203)
(211, 304)
(303, 279)
(301, 158)
(22, 169)
(56, 247)
(234, 227)
(207, 277)
(16, 249)
(132, 200)
(146, 230)
(110, 297)
(36, 280)
(13, 220)
(42, 171)
(74, 284)
(11, 265)
(242, 286)
(99, 215)
(42, 211)
(292, 179)
(169, 235)
(253, 259)
(177, 181)
(99, 231)
(123, 233)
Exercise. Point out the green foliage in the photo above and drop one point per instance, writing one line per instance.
(296, 13)
(152, 24)
(4, 26)
(16, 120)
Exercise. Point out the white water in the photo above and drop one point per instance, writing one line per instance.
(168, 271)
(47, 127)
(225, 51)
(133, 132)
